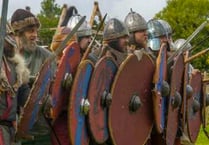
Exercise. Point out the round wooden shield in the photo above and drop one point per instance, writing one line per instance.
(130, 113)
(78, 104)
(37, 97)
(100, 84)
(173, 104)
(159, 101)
(67, 65)
(194, 117)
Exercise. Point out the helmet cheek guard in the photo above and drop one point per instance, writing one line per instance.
(154, 44)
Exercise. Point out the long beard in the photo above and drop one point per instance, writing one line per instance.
(28, 45)
(115, 44)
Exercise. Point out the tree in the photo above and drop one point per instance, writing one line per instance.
(185, 16)
(49, 17)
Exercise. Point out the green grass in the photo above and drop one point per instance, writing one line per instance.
(202, 138)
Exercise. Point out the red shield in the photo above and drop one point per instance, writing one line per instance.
(159, 101)
(67, 65)
(130, 114)
(174, 102)
(194, 114)
(102, 78)
(78, 104)
(35, 101)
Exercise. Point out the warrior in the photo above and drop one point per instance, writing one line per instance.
(14, 77)
(62, 30)
(157, 38)
(25, 26)
(137, 27)
(184, 138)
(83, 35)
(82, 38)
(115, 40)
(159, 31)
(169, 33)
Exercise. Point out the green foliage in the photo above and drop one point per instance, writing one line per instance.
(185, 16)
(49, 17)
(202, 138)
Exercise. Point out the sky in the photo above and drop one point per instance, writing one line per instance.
(114, 8)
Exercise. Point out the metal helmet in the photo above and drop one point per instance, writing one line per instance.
(114, 29)
(155, 29)
(168, 33)
(166, 26)
(179, 42)
(135, 22)
(85, 28)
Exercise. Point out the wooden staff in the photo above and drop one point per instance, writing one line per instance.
(205, 77)
(62, 16)
(95, 12)
(196, 55)
(206, 80)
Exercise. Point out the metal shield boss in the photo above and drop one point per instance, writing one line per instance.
(194, 106)
(175, 99)
(100, 98)
(63, 81)
(130, 113)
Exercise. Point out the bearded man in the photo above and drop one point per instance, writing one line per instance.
(25, 26)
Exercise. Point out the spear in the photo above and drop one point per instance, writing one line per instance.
(94, 38)
(183, 48)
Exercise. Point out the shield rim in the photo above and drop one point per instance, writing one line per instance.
(158, 101)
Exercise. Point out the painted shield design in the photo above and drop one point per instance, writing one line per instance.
(175, 97)
(159, 101)
(67, 66)
(99, 98)
(130, 113)
(36, 99)
(194, 106)
(79, 105)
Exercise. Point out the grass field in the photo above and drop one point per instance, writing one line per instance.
(202, 138)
